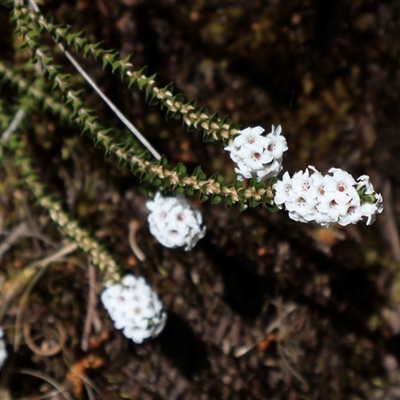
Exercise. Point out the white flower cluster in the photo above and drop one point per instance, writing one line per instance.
(174, 222)
(3, 350)
(257, 155)
(135, 308)
(328, 199)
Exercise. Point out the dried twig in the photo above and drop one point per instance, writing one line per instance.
(27, 278)
(13, 125)
(391, 232)
(15, 234)
(133, 228)
(41, 351)
(61, 390)
(92, 302)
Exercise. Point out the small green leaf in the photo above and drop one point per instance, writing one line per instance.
(199, 174)
(272, 207)
(207, 137)
(180, 169)
(179, 190)
(189, 191)
(132, 80)
(86, 52)
(143, 176)
(229, 202)
(242, 206)
(153, 99)
(272, 181)
(108, 58)
(218, 177)
(240, 194)
(254, 203)
(203, 110)
(216, 199)
(203, 197)
(163, 161)
(169, 114)
(238, 185)
(253, 182)
(115, 65)
(168, 88)
(142, 82)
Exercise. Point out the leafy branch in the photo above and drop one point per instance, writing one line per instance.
(157, 172)
(213, 128)
(33, 91)
(110, 270)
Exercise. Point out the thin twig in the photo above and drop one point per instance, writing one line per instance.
(62, 337)
(29, 271)
(25, 275)
(287, 363)
(391, 232)
(12, 127)
(16, 233)
(90, 386)
(62, 390)
(92, 302)
(89, 391)
(113, 107)
(133, 228)
(14, 124)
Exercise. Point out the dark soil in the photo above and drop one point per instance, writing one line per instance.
(263, 307)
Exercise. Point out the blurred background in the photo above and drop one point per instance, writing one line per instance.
(263, 307)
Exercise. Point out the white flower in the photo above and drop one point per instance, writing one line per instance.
(256, 155)
(378, 202)
(134, 308)
(333, 210)
(345, 184)
(234, 150)
(243, 171)
(363, 181)
(174, 223)
(325, 186)
(303, 184)
(3, 350)
(283, 189)
(276, 144)
(353, 215)
(160, 207)
(302, 206)
(270, 170)
(327, 199)
(250, 137)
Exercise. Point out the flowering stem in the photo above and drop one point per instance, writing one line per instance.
(110, 270)
(89, 80)
(157, 172)
(212, 127)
